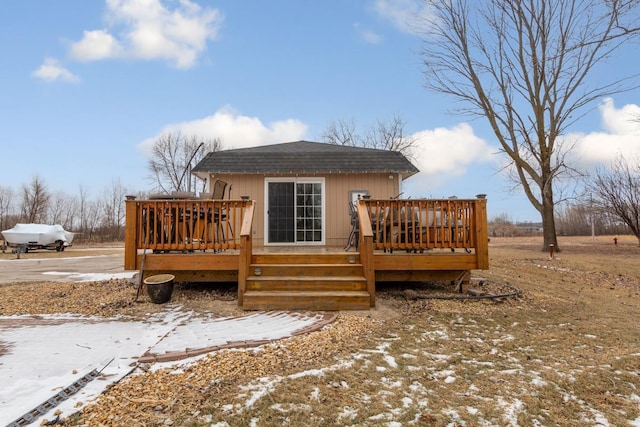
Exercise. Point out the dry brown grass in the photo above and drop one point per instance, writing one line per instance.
(566, 353)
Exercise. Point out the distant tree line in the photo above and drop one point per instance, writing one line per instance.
(571, 220)
(94, 220)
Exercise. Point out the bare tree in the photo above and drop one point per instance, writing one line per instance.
(83, 196)
(63, 210)
(6, 206)
(616, 190)
(524, 65)
(93, 217)
(172, 157)
(35, 201)
(113, 210)
(384, 136)
(342, 132)
(390, 136)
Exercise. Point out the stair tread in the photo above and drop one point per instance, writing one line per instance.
(307, 278)
(307, 293)
(295, 264)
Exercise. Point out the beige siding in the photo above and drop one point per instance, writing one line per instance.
(337, 193)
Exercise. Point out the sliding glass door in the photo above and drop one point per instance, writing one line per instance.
(295, 210)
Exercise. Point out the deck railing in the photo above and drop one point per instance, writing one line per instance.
(184, 225)
(424, 224)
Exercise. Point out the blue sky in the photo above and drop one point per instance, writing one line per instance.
(87, 85)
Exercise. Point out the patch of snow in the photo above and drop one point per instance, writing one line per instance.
(347, 413)
(291, 407)
(378, 417)
(263, 386)
(31, 260)
(511, 411)
(440, 357)
(47, 357)
(635, 423)
(449, 380)
(538, 382)
(417, 387)
(599, 418)
(391, 361)
(454, 416)
(478, 363)
(51, 352)
(473, 388)
(445, 373)
(436, 334)
(391, 384)
(315, 394)
(91, 277)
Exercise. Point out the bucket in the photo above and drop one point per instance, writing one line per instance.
(159, 287)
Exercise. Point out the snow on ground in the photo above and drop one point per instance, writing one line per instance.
(90, 277)
(400, 396)
(42, 355)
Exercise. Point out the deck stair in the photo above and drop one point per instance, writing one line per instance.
(306, 281)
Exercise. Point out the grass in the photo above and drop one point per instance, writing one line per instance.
(565, 353)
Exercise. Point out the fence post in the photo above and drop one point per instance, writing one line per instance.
(131, 234)
(482, 236)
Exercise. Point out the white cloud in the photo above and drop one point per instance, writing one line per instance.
(444, 153)
(404, 15)
(235, 130)
(620, 135)
(147, 29)
(94, 46)
(52, 70)
(367, 35)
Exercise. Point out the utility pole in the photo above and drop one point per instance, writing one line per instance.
(593, 227)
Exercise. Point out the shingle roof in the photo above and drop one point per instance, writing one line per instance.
(305, 157)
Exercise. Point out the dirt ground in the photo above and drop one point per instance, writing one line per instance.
(565, 352)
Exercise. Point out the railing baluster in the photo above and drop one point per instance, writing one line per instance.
(422, 224)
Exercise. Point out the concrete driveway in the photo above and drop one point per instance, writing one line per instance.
(64, 267)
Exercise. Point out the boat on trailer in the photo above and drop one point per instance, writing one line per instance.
(26, 237)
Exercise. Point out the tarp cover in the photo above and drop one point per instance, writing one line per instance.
(38, 234)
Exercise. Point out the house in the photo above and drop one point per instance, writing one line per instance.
(303, 189)
(306, 225)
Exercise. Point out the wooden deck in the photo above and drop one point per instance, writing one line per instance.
(397, 240)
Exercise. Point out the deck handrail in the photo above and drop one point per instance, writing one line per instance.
(366, 250)
(182, 225)
(425, 224)
(246, 250)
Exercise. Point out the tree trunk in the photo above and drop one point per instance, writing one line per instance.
(549, 224)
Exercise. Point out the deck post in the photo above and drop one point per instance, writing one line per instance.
(366, 251)
(482, 236)
(246, 251)
(131, 235)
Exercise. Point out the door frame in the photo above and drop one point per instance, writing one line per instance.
(296, 180)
